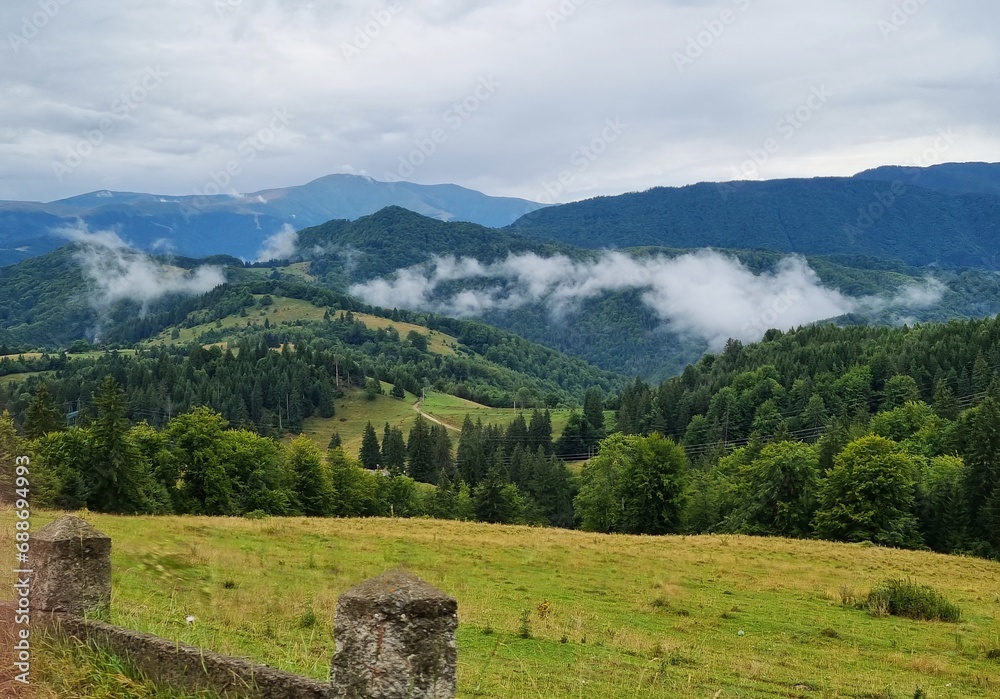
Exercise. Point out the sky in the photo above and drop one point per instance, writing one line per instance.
(550, 100)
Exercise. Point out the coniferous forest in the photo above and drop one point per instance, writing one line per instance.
(884, 435)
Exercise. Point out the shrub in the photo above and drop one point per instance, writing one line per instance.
(524, 626)
(911, 600)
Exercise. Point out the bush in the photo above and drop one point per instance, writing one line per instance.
(911, 600)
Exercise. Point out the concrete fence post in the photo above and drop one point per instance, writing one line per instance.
(71, 564)
(395, 638)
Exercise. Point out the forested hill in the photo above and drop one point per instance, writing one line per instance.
(51, 301)
(883, 219)
(796, 382)
(394, 238)
(954, 178)
(890, 436)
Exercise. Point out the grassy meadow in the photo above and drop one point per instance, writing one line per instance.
(354, 411)
(551, 613)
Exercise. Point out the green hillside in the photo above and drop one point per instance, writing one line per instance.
(551, 613)
(617, 330)
(889, 220)
(47, 302)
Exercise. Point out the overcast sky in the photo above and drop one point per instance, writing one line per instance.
(608, 95)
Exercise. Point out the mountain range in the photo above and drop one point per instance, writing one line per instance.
(943, 215)
(624, 282)
(237, 225)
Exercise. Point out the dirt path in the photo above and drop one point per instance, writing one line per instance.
(416, 406)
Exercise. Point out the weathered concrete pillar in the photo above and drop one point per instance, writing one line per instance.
(72, 568)
(395, 639)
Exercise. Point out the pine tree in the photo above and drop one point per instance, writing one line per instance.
(393, 450)
(540, 430)
(420, 453)
(472, 453)
(116, 472)
(593, 411)
(550, 485)
(444, 463)
(517, 434)
(443, 503)
(982, 457)
(635, 408)
(42, 416)
(11, 447)
(497, 501)
(371, 453)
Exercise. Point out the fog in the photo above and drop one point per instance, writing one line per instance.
(705, 294)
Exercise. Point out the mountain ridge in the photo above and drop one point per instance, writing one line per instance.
(909, 218)
(197, 225)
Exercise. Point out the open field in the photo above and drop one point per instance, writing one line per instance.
(96, 354)
(453, 411)
(354, 411)
(288, 310)
(606, 616)
(283, 309)
(437, 342)
(17, 378)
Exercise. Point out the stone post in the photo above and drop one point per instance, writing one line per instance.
(72, 569)
(395, 639)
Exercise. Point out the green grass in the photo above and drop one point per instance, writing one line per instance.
(289, 310)
(437, 342)
(453, 411)
(64, 669)
(912, 600)
(17, 378)
(607, 616)
(283, 309)
(353, 411)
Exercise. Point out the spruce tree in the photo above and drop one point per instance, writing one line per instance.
(393, 450)
(982, 458)
(945, 404)
(472, 452)
(42, 416)
(420, 453)
(540, 430)
(496, 500)
(593, 411)
(371, 453)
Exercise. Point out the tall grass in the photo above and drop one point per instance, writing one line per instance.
(911, 600)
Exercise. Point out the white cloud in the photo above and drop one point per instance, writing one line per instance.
(280, 246)
(118, 272)
(705, 294)
(609, 59)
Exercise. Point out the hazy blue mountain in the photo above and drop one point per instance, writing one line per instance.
(236, 225)
(871, 215)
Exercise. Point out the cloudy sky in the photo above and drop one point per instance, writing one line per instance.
(550, 100)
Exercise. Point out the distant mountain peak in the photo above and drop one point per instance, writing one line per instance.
(240, 224)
